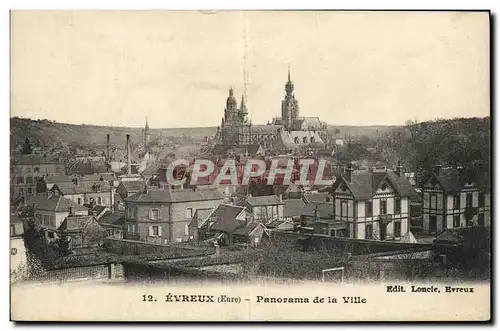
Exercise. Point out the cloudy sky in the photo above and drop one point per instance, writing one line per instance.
(349, 68)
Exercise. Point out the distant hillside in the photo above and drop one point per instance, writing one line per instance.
(372, 132)
(49, 133)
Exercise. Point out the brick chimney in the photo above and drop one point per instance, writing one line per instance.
(348, 172)
(436, 169)
(129, 164)
(399, 169)
(107, 148)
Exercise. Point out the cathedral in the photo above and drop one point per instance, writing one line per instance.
(288, 132)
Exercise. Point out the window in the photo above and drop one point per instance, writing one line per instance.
(481, 199)
(456, 201)
(369, 231)
(37, 169)
(397, 206)
(12, 229)
(433, 201)
(46, 220)
(154, 214)
(51, 235)
(468, 200)
(155, 231)
(131, 228)
(20, 180)
(29, 180)
(21, 191)
(189, 213)
(397, 229)
(456, 221)
(343, 208)
(52, 221)
(369, 208)
(79, 201)
(383, 207)
(186, 229)
(99, 200)
(304, 140)
(30, 190)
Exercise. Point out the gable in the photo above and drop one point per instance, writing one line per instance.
(342, 188)
(385, 187)
(433, 183)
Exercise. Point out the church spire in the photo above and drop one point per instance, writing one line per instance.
(147, 125)
(289, 85)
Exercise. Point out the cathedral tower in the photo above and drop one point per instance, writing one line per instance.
(289, 106)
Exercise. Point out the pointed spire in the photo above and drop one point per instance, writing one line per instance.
(231, 91)
(243, 106)
(289, 73)
(147, 126)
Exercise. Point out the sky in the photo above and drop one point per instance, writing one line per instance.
(349, 68)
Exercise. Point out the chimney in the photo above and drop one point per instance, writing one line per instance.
(436, 169)
(129, 165)
(107, 148)
(348, 172)
(70, 211)
(399, 169)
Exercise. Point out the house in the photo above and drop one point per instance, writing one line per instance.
(51, 211)
(317, 197)
(128, 188)
(231, 226)
(113, 223)
(373, 205)
(162, 216)
(86, 192)
(292, 209)
(97, 211)
(198, 227)
(81, 231)
(224, 219)
(265, 209)
(454, 197)
(26, 170)
(320, 217)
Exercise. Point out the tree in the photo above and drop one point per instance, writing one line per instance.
(27, 147)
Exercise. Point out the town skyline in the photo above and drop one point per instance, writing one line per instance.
(179, 76)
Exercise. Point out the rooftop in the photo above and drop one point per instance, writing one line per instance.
(174, 196)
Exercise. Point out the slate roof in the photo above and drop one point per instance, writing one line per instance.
(293, 207)
(324, 210)
(173, 196)
(266, 200)
(82, 187)
(117, 218)
(246, 229)
(453, 179)
(200, 216)
(227, 225)
(316, 197)
(133, 185)
(266, 129)
(54, 203)
(363, 185)
(75, 223)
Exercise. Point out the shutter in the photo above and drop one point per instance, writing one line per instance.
(159, 230)
(150, 231)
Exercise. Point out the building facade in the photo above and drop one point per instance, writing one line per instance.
(26, 170)
(163, 216)
(453, 198)
(373, 205)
